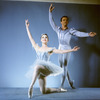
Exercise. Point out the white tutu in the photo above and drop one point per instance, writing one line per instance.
(43, 59)
(53, 68)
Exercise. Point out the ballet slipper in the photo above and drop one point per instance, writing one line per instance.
(30, 92)
(71, 84)
(63, 90)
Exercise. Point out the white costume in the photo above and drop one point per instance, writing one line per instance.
(64, 37)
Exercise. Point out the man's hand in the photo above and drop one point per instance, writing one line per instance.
(27, 23)
(92, 34)
(51, 8)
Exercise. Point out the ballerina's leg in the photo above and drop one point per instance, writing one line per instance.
(42, 82)
(43, 89)
(35, 76)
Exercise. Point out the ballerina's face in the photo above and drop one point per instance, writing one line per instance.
(44, 38)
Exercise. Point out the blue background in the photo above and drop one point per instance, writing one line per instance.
(17, 55)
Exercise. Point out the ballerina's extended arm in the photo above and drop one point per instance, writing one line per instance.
(30, 36)
(65, 51)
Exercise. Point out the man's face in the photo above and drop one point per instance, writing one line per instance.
(64, 21)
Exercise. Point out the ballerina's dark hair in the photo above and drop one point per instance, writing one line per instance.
(45, 34)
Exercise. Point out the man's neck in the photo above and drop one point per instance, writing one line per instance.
(64, 27)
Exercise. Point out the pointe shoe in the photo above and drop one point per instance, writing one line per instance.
(63, 90)
(30, 93)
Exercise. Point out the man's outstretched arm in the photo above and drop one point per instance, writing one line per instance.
(81, 34)
(51, 20)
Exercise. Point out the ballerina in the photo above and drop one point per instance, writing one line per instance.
(42, 66)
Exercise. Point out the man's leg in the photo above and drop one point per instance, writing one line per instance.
(63, 60)
(66, 60)
(63, 77)
(70, 81)
(61, 57)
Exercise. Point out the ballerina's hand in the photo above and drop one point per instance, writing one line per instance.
(27, 23)
(76, 48)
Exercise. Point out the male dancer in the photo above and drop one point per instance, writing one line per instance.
(64, 36)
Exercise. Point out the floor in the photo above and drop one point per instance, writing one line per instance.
(75, 94)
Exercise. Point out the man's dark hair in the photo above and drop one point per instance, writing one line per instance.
(63, 17)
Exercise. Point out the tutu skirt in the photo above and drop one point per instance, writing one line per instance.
(53, 68)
